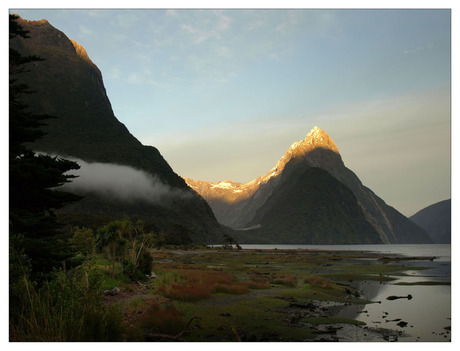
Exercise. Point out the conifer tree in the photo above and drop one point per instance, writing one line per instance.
(33, 178)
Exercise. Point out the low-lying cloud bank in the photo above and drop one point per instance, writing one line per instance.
(121, 182)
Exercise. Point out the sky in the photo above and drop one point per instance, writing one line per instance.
(223, 93)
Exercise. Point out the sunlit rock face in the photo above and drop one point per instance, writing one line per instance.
(240, 206)
(234, 204)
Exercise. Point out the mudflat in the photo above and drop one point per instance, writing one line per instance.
(260, 295)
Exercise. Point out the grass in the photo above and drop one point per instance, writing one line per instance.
(163, 319)
(253, 320)
(223, 289)
(185, 284)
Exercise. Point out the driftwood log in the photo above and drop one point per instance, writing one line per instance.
(392, 297)
(150, 336)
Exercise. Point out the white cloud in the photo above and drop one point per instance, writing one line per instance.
(135, 78)
(417, 50)
(85, 31)
(171, 13)
(114, 73)
(224, 22)
(121, 182)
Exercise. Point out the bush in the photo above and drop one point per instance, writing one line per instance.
(167, 319)
(287, 280)
(235, 288)
(145, 263)
(318, 281)
(131, 271)
(67, 308)
(258, 284)
(186, 292)
(84, 241)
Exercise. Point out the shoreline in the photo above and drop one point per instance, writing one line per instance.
(328, 282)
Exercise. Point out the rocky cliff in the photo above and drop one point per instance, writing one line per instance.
(69, 86)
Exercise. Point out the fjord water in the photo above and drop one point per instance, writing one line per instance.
(427, 314)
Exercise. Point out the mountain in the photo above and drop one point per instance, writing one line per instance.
(243, 206)
(328, 212)
(69, 85)
(436, 220)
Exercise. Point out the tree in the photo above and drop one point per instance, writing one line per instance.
(84, 241)
(34, 178)
(126, 241)
(109, 236)
(229, 241)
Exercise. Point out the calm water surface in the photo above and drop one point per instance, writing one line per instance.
(427, 314)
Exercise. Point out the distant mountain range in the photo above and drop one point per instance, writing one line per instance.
(436, 220)
(69, 86)
(309, 197)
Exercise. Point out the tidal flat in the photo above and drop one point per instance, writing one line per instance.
(280, 295)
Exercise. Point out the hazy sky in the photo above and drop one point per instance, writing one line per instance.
(224, 93)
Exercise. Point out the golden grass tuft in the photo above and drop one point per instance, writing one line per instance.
(166, 319)
(318, 281)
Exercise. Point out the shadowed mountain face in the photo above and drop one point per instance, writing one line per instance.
(69, 86)
(243, 206)
(328, 212)
(436, 220)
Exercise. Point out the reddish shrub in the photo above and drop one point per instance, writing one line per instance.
(318, 282)
(167, 319)
(186, 292)
(287, 280)
(237, 288)
(251, 284)
(207, 278)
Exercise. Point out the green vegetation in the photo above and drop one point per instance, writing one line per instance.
(67, 308)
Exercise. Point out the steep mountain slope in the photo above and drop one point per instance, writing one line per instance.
(328, 213)
(317, 150)
(436, 220)
(69, 86)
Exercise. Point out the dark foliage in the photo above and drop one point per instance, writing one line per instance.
(33, 177)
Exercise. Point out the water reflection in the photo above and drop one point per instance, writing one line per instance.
(427, 314)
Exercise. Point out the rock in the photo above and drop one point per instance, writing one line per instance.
(402, 324)
(307, 305)
(327, 329)
(112, 292)
(392, 297)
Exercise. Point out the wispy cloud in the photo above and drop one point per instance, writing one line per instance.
(171, 13)
(417, 50)
(121, 182)
(209, 25)
(85, 31)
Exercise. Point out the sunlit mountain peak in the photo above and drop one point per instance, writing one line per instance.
(319, 138)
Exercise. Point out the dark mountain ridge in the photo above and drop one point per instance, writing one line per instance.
(436, 220)
(69, 86)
